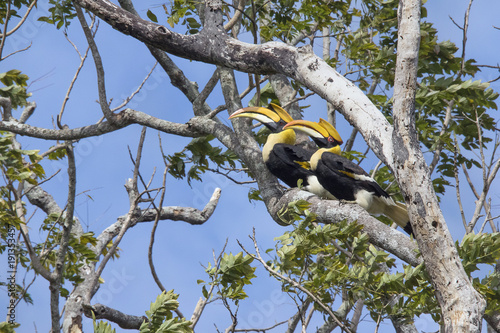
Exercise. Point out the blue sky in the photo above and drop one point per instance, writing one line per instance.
(104, 165)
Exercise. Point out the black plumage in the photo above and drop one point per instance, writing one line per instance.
(346, 180)
(290, 163)
(284, 159)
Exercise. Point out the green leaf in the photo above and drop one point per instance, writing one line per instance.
(102, 327)
(160, 316)
(6, 327)
(151, 16)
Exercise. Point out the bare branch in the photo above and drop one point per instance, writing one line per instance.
(75, 77)
(56, 275)
(358, 310)
(237, 15)
(457, 182)
(6, 105)
(202, 302)
(23, 19)
(129, 98)
(465, 29)
(439, 148)
(130, 186)
(174, 213)
(157, 219)
(489, 174)
(17, 51)
(294, 320)
(265, 329)
(226, 174)
(4, 30)
(177, 77)
(123, 320)
(200, 100)
(123, 119)
(103, 101)
(27, 112)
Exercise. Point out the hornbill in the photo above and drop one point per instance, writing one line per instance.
(284, 159)
(346, 180)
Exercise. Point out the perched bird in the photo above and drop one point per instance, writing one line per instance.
(346, 180)
(284, 159)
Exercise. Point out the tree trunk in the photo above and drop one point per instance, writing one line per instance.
(462, 306)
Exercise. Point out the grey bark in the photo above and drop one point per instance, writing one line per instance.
(461, 304)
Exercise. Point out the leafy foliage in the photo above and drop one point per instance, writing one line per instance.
(161, 318)
(14, 7)
(231, 275)
(62, 12)
(6, 327)
(102, 326)
(199, 152)
(14, 87)
(183, 11)
(482, 249)
(335, 259)
(78, 254)
(15, 168)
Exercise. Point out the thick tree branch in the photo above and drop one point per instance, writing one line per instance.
(174, 213)
(57, 274)
(123, 119)
(330, 211)
(123, 320)
(493, 320)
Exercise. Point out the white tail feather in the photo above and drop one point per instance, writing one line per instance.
(398, 213)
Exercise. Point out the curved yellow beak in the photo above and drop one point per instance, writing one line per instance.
(331, 130)
(274, 113)
(318, 130)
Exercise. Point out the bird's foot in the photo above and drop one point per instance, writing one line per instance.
(343, 201)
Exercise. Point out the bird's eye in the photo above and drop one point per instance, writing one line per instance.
(331, 139)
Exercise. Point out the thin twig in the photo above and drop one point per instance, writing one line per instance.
(464, 38)
(4, 33)
(134, 198)
(25, 16)
(129, 98)
(457, 182)
(75, 77)
(295, 100)
(261, 329)
(439, 148)
(230, 178)
(202, 303)
(290, 281)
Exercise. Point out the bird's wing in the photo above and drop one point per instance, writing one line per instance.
(345, 167)
(293, 155)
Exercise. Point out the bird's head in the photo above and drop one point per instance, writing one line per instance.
(322, 133)
(273, 117)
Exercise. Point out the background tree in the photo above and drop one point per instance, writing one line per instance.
(388, 75)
